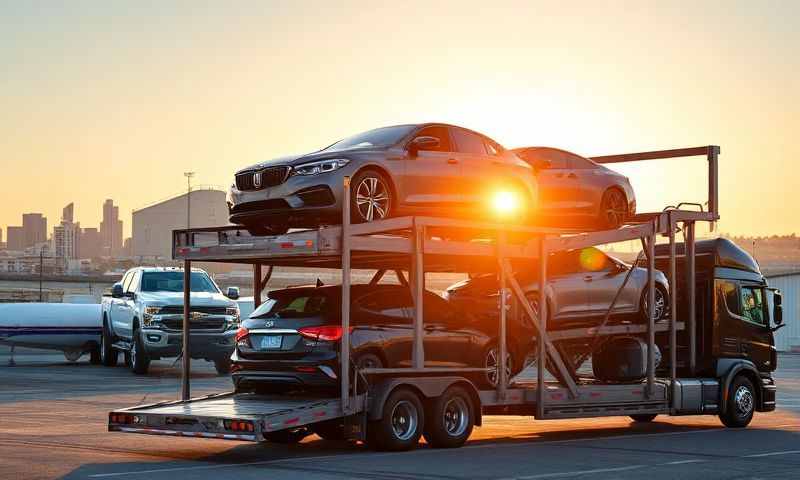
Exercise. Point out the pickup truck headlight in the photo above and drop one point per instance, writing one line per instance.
(149, 312)
(233, 312)
(322, 166)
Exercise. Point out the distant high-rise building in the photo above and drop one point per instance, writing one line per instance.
(67, 236)
(111, 229)
(91, 244)
(16, 239)
(35, 226)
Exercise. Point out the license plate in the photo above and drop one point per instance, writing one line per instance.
(271, 342)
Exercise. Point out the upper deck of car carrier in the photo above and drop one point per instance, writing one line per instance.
(431, 244)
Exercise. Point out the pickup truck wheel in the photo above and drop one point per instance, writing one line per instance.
(741, 403)
(401, 425)
(450, 419)
(140, 363)
(223, 366)
(108, 355)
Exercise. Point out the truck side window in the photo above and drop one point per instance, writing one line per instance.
(126, 281)
(729, 295)
(753, 304)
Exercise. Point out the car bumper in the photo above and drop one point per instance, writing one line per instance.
(300, 201)
(209, 346)
(318, 371)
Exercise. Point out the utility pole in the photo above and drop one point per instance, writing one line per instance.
(186, 367)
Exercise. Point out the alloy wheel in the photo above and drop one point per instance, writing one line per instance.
(660, 305)
(615, 208)
(492, 374)
(372, 199)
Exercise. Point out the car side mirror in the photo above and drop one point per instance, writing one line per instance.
(541, 163)
(232, 293)
(777, 314)
(422, 143)
(116, 290)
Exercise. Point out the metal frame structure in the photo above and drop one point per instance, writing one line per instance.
(420, 244)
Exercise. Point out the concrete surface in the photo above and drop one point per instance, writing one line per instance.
(53, 425)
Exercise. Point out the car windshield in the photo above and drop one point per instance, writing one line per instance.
(173, 282)
(301, 305)
(379, 137)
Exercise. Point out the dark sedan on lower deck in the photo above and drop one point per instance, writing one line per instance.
(292, 341)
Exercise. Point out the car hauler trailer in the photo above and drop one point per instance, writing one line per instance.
(390, 407)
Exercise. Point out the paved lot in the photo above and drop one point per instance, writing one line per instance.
(53, 414)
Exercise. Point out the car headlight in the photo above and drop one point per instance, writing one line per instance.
(322, 166)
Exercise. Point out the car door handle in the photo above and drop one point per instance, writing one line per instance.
(588, 278)
(452, 161)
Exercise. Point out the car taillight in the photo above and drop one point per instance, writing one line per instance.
(328, 333)
(243, 337)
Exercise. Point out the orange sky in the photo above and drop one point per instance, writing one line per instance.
(109, 100)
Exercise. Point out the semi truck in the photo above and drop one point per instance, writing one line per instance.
(716, 343)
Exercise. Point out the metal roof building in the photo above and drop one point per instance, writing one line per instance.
(788, 338)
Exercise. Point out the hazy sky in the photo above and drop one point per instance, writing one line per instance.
(115, 100)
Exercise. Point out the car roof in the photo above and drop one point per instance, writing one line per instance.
(554, 149)
(166, 269)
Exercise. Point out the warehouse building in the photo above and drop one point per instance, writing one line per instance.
(787, 339)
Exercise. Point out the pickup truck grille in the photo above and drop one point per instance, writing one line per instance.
(178, 310)
(269, 177)
(199, 324)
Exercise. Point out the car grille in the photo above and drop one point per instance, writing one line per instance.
(270, 177)
(214, 323)
(178, 309)
(273, 204)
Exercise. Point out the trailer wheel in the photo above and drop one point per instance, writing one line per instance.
(401, 425)
(108, 356)
(140, 362)
(286, 437)
(741, 403)
(451, 418)
(644, 417)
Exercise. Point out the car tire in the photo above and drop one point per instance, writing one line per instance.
(644, 417)
(450, 419)
(139, 361)
(401, 425)
(371, 197)
(367, 360)
(108, 355)
(613, 209)
(741, 403)
(662, 304)
(222, 366)
(266, 230)
(287, 437)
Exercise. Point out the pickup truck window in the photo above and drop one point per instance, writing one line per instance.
(126, 281)
(173, 282)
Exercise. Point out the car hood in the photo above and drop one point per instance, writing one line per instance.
(292, 160)
(197, 299)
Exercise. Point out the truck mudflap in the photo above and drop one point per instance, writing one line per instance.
(228, 416)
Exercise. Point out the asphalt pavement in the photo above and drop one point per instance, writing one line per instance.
(53, 425)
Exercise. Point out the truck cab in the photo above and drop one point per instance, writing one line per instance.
(737, 313)
(143, 317)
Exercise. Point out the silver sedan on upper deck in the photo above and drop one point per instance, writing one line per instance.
(428, 169)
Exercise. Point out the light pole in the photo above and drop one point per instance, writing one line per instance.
(188, 176)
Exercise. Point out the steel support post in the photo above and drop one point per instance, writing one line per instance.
(673, 307)
(256, 285)
(691, 284)
(502, 376)
(541, 361)
(651, 307)
(418, 289)
(344, 372)
(187, 308)
(713, 180)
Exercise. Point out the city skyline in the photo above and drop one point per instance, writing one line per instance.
(126, 104)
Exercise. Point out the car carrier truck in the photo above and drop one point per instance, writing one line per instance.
(717, 345)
